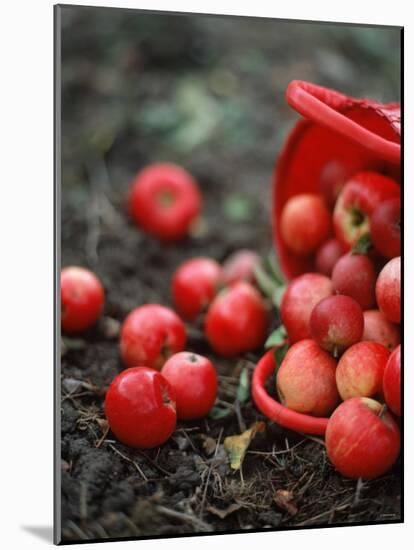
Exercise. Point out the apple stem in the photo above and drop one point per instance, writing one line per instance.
(335, 352)
(383, 410)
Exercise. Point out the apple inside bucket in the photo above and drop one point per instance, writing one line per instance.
(339, 137)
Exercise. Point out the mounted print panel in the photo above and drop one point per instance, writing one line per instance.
(228, 228)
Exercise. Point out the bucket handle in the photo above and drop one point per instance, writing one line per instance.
(322, 106)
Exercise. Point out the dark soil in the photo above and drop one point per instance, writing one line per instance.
(208, 94)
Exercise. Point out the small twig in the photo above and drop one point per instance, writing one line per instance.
(359, 486)
(77, 530)
(274, 453)
(129, 460)
(330, 512)
(83, 505)
(209, 473)
(134, 529)
(315, 439)
(199, 524)
(154, 463)
(188, 438)
(102, 439)
(241, 474)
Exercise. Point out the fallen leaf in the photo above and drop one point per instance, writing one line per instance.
(103, 424)
(222, 513)
(284, 500)
(237, 445)
(209, 444)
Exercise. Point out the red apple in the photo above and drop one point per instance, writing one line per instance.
(356, 203)
(236, 320)
(392, 382)
(337, 171)
(149, 335)
(240, 266)
(305, 223)
(327, 256)
(336, 323)
(388, 290)
(362, 439)
(306, 379)
(332, 179)
(377, 328)
(385, 226)
(354, 275)
(361, 369)
(301, 296)
(194, 285)
(194, 381)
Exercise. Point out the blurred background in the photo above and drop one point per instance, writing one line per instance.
(206, 93)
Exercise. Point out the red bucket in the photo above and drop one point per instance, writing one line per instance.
(341, 133)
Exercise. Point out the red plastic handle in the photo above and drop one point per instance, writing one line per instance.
(276, 411)
(323, 106)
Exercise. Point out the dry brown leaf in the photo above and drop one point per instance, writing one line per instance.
(209, 444)
(103, 424)
(284, 499)
(222, 513)
(237, 445)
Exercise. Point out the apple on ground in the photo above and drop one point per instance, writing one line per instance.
(240, 266)
(236, 320)
(150, 334)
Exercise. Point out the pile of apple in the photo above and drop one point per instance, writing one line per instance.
(343, 320)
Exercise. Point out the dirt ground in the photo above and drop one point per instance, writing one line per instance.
(206, 93)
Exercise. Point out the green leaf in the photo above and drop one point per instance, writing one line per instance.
(280, 354)
(274, 268)
(266, 284)
(243, 390)
(363, 245)
(218, 412)
(278, 295)
(238, 208)
(277, 338)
